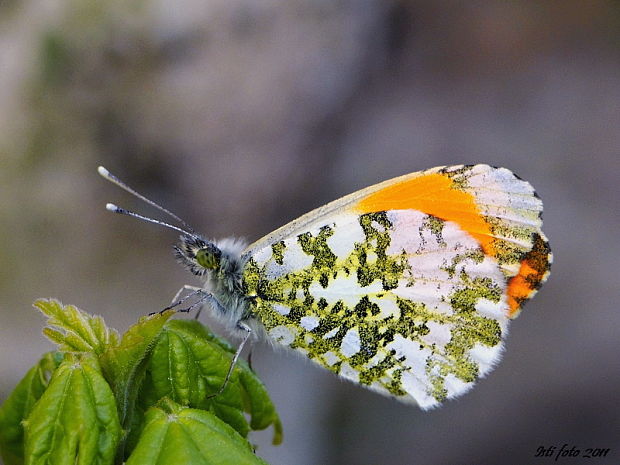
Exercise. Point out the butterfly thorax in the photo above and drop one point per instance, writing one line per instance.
(220, 264)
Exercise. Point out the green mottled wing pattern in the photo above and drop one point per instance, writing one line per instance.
(399, 301)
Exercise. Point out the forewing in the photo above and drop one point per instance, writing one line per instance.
(500, 210)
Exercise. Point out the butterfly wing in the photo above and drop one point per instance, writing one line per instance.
(406, 287)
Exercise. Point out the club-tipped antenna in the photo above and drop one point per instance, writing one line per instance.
(121, 211)
(113, 179)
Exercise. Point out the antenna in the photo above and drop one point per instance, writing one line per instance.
(121, 211)
(113, 179)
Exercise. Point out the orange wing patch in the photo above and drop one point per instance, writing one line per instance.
(435, 195)
(533, 272)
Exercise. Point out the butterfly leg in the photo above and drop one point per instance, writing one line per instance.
(204, 296)
(176, 301)
(250, 359)
(248, 332)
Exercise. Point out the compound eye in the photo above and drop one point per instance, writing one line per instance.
(207, 259)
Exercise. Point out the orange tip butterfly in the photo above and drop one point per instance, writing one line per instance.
(406, 287)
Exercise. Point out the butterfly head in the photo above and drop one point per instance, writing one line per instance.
(199, 255)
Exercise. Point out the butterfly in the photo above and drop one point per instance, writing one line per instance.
(406, 287)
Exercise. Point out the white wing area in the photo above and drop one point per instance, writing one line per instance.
(399, 301)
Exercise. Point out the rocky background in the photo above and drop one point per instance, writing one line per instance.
(241, 115)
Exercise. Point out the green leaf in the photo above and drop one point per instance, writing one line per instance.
(121, 364)
(94, 403)
(189, 363)
(124, 367)
(174, 434)
(75, 421)
(262, 409)
(74, 330)
(19, 405)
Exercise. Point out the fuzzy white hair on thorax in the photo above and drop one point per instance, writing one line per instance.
(231, 246)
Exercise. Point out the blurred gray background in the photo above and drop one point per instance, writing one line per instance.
(241, 115)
